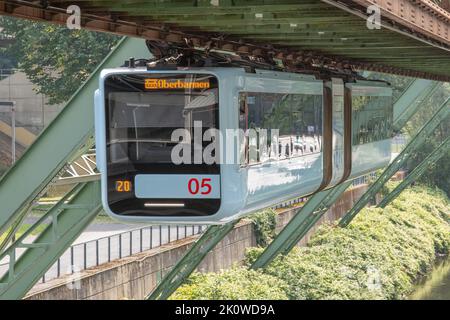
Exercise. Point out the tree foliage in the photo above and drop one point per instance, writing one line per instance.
(53, 57)
(264, 224)
(235, 284)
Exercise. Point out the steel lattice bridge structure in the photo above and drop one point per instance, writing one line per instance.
(414, 41)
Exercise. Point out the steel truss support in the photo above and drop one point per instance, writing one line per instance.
(68, 137)
(412, 99)
(61, 142)
(191, 260)
(438, 153)
(305, 219)
(401, 159)
(69, 218)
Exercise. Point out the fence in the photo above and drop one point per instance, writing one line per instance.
(5, 73)
(96, 252)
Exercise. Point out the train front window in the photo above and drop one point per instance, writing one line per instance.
(144, 112)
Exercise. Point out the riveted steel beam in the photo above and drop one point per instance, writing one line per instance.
(422, 16)
(69, 217)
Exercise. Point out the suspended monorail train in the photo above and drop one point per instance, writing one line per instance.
(209, 145)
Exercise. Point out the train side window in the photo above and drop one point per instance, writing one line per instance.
(297, 117)
(372, 118)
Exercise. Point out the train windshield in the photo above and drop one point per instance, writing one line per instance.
(147, 116)
(143, 120)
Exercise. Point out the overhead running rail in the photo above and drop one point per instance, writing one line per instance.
(426, 20)
(418, 55)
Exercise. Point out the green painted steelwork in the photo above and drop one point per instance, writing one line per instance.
(67, 137)
(305, 218)
(438, 153)
(195, 255)
(12, 230)
(69, 218)
(411, 147)
(313, 28)
(61, 142)
(411, 100)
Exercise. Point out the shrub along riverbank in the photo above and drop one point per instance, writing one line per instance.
(381, 255)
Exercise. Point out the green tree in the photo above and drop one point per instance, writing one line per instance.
(53, 57)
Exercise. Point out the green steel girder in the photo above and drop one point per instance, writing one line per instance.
(69, 218)
(59, 143)
(195, 255)
(288, 25)
(438, 153)
(68, 136)
(305, 218)
(12, 230)
(411, 100)
(400, 160)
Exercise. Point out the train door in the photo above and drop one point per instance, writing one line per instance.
(338, 134)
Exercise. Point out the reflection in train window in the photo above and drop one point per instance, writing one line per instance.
(372, 119)
(298, 117)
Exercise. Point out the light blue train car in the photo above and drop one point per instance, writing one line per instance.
(209, 145)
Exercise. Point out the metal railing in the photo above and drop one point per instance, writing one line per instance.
(5, 73)
(366, 179)
(93, 253)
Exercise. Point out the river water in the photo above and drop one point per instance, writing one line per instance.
(437, 285)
